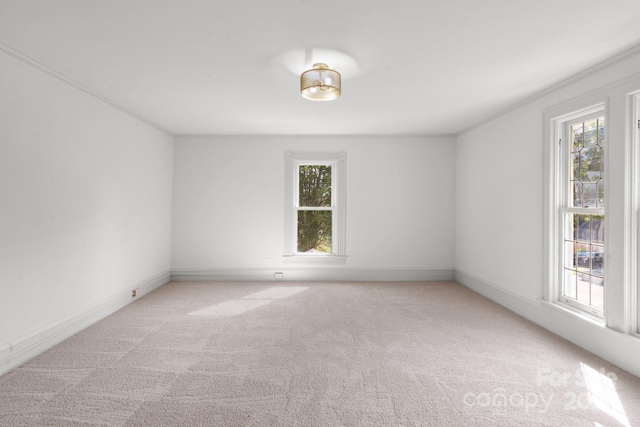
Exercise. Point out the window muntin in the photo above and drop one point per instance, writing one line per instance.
(582, 214)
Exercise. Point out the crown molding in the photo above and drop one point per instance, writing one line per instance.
(53, 73)
(556, 86)
(314, 136)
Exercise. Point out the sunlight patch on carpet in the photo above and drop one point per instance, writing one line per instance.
(603, 395)
(250, 302)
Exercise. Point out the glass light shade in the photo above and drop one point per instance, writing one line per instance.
(320, 83)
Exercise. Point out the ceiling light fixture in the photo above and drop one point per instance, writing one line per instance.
(320, 83)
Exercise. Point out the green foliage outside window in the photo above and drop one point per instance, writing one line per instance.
(314, 226)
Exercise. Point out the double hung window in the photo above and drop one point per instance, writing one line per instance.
(315, 207)
(592, 206)
(581, 212)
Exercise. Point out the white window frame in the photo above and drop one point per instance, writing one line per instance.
(556, 176)
(337, 161)
(632, 206)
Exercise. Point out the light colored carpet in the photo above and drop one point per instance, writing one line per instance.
(317, 354)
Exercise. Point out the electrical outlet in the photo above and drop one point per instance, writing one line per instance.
(278, 275)
(134, 293)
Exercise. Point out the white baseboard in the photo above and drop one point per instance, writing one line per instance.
(617, 348)
(18, 351)
(310, 274)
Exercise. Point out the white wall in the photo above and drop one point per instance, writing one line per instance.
(85, 205)
(500, 208)
(228, 207)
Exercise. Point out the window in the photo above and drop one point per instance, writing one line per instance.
(315, 207)
(591, 223)
(580, 268)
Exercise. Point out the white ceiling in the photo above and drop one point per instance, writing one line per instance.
(231, 66)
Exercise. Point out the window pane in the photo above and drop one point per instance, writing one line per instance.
(569, 289)
(600, 194)
(584, 228)
(583, 258)
(569, 255)
(589, 195)
(590, 164)
(590, 132)
(597, 259)
(576, 136)
(597, 292)
(314, 231)
(577, 195)
(584, 288)
(575, 165)
(597, 228)
(314, 186)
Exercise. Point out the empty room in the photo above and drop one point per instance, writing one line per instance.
(335, 213)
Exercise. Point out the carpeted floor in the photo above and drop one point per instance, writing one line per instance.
(317, 354)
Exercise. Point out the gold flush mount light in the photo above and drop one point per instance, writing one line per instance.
(320, 83)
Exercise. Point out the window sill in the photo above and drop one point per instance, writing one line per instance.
(565, 308)
(315, 259)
